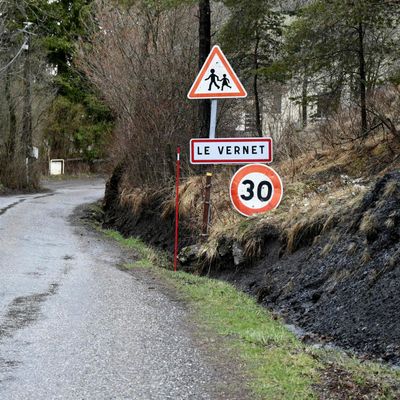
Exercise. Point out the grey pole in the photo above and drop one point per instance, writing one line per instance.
(207, 201)
(213, 119)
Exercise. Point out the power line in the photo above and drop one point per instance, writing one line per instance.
(16, 56)
(23, 47)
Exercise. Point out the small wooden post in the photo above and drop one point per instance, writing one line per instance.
(206, 211)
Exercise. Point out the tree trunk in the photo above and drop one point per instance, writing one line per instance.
(255, 89)
(363, 97)
(12, 132)
(304, 102)
(204, 51)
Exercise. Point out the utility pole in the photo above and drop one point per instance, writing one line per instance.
(27, 104)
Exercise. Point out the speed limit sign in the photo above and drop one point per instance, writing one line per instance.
(255, 189)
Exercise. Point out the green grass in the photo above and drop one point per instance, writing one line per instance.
(273, 355)
(132, 243)
(147, 257)
(278, 364)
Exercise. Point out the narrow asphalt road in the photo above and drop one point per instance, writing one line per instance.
(73, 326)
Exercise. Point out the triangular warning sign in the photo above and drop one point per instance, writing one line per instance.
(216, 79)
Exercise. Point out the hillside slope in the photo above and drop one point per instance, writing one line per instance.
(344, 286)
(327, 260)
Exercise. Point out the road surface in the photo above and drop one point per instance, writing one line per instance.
(73, 326)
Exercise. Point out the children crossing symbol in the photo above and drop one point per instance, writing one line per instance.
(217, 79)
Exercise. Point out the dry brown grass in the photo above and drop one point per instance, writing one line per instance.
(302, 216)
(391, 189)
(366, 256)
(334, 239)
(304, 213)
(390, 223)
(209, 251)
(369, 224)
(190, 198)
(314, 201)
(352, 248)
(136, 200)
(327, 249)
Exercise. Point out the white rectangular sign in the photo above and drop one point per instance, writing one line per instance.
(231, 151)
(57, 167)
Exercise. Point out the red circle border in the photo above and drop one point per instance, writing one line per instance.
(263, 169)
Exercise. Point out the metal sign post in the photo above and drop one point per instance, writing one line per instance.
(207, 206)
(207, 194)
(213, 119)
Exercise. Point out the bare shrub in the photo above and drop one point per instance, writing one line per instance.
(290, 143)
(384, 107)
(142, 60)
(13, 173)
(340, 127)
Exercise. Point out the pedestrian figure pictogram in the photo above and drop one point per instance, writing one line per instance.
(225, 82)
(214, 78)
(217, 79)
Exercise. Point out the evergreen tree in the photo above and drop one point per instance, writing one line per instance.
(252, 35)
(60, 25)
(344, 42)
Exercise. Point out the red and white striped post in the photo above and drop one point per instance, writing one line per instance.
(178, 174)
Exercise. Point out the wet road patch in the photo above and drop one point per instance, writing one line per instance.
(5, 209)
(23, 311)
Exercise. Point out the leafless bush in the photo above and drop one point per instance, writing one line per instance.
(342, 126)
(383, 115)
(142, 59)
(13, 173)
(293, 141)
(384, 107)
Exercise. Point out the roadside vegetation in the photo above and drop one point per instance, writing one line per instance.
(47, 103)
(320, 186)
(278, 364)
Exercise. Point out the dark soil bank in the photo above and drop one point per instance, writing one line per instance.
(342, 285)
(147, 224)
(346, 286)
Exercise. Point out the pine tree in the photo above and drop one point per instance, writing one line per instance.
(342, 42)
(252, 36)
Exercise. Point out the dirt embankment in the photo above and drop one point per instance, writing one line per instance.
(141, 216)
(342, 285)
(338, 278)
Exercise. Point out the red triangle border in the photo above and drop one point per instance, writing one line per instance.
(216, 50)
